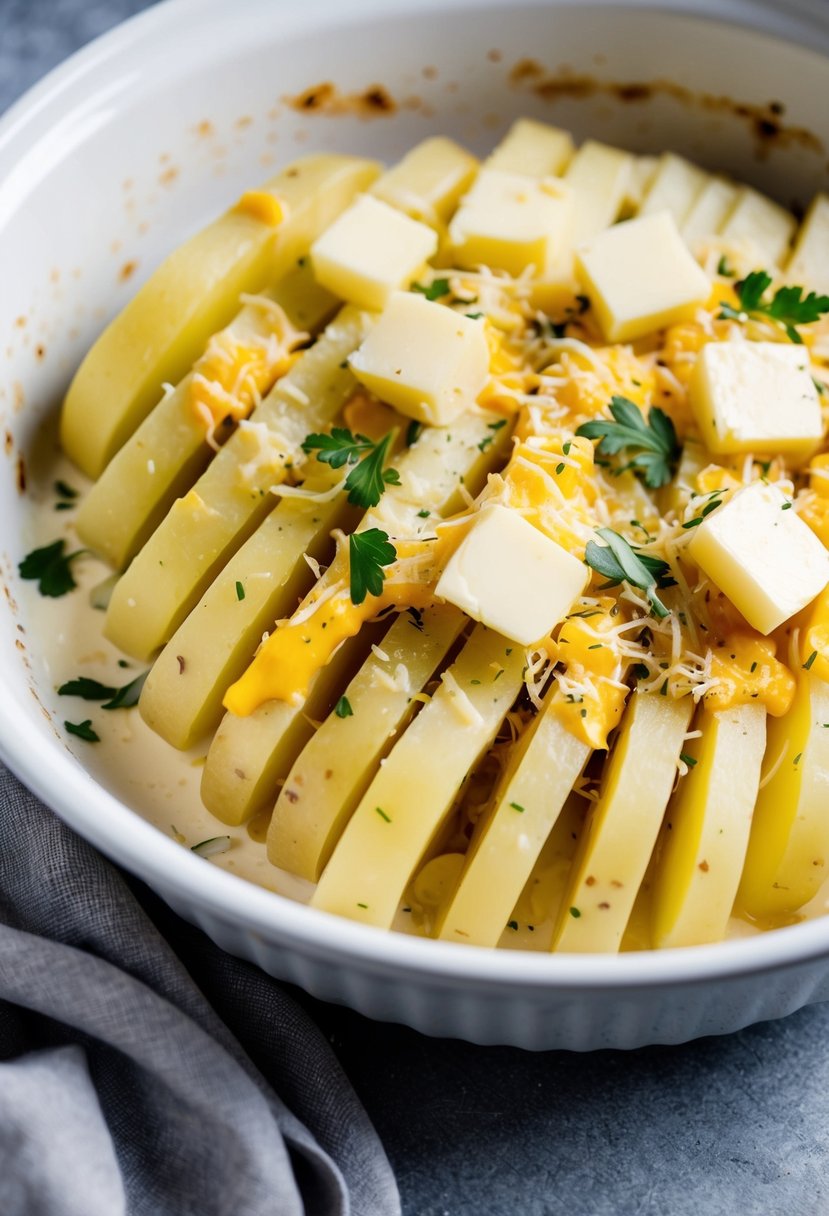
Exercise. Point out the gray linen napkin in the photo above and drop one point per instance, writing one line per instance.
(123, 1089)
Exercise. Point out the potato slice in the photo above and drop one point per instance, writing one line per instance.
(205, 527)
(808, 265)
(674, 187)
(544, 766)
(167, 453)
(706, 831)
(622, 827)
(788, 850)
(334, 769)
(763, 228)
(182, 698)
(431, 472)
(407, 801)
(194, 293)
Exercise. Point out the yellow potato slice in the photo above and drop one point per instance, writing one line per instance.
(163, 458)
(182, 698)
(407, 801)
(205, 527)
(244, 767)
(431, 472)
(334, 769)
(194, 293)
(788, 850)
(622, 827)
(544, 766)
(703, 846)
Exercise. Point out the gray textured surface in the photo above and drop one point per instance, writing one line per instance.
(727, 1127)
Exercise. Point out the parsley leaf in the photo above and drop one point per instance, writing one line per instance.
(343, 708)
(50, 566)
(83, 730)
(788, 306)
(366, 482)
(619, 562)
(652, 446)
(115, 698)
(338, 448)
(433, 290)
(368, 553)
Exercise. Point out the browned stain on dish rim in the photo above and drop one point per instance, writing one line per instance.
(764, 121)
(375, 101)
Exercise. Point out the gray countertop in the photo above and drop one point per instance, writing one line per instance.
(717, 1128)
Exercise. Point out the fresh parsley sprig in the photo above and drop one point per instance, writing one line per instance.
(367, 480)
(619, 562)
(434, 290)
(368, 553)
(50, 567)
(652, 446)
(788, 306)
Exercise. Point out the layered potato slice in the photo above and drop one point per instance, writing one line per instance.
(704, 843)
(408, 800)
(205, 527)
(193, 294)
(175, 443)
(433, 472)
(622, 826)
(333, 770)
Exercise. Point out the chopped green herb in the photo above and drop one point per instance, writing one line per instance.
(359, 905)
(211, 847)
(434, 290)
(51, 567)
(686, 759)
(83, 730)
(424, 514)
(413, 431)
(516, 806)
(798, 758)
(343, 708)
(474, 316)
(240, 590)
(128, 696)
(368, 552)
(86, 689)
(619, 562)
(753, 668)
(807, 665)
(574, 912)
(496, 426)
(641, 671)
(65, 491)
(512, 924)
(724, 269)
(383, 814)
(652, 446)
(560, 468)
(788, 306)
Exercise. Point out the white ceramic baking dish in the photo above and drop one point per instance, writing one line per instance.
(186, 103)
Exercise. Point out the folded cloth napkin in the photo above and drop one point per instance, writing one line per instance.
(134, 1082)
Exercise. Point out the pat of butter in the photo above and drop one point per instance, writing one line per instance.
(756, 397)
(762, 555)
(510, 221)
(370, 251)
(511, 577)
(598, 175)
(532, 148)
(640, 277)
(809, 263)
(426, 360)
(763, 228)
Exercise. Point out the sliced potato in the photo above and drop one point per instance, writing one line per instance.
(544, 766)
(163, 458)
(194, 293)
(674, 187)
(432, 469)
(703, 846)
(764, 228)
(598, 175)
(182, 698)
(709, 211)
(622, 827)
(788, 850)
(205, 527)
(409, 798)
(334, 769)
(808, 265)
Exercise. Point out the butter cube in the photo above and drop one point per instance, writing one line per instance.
(511, 221)
(709, 212)
(371, 251)
(426, 360)
(762, 555)
(511, 577)
(429, 181)
(756, 397)
(763, 228)
(674, 187)
(533, 148)
(640, 277)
